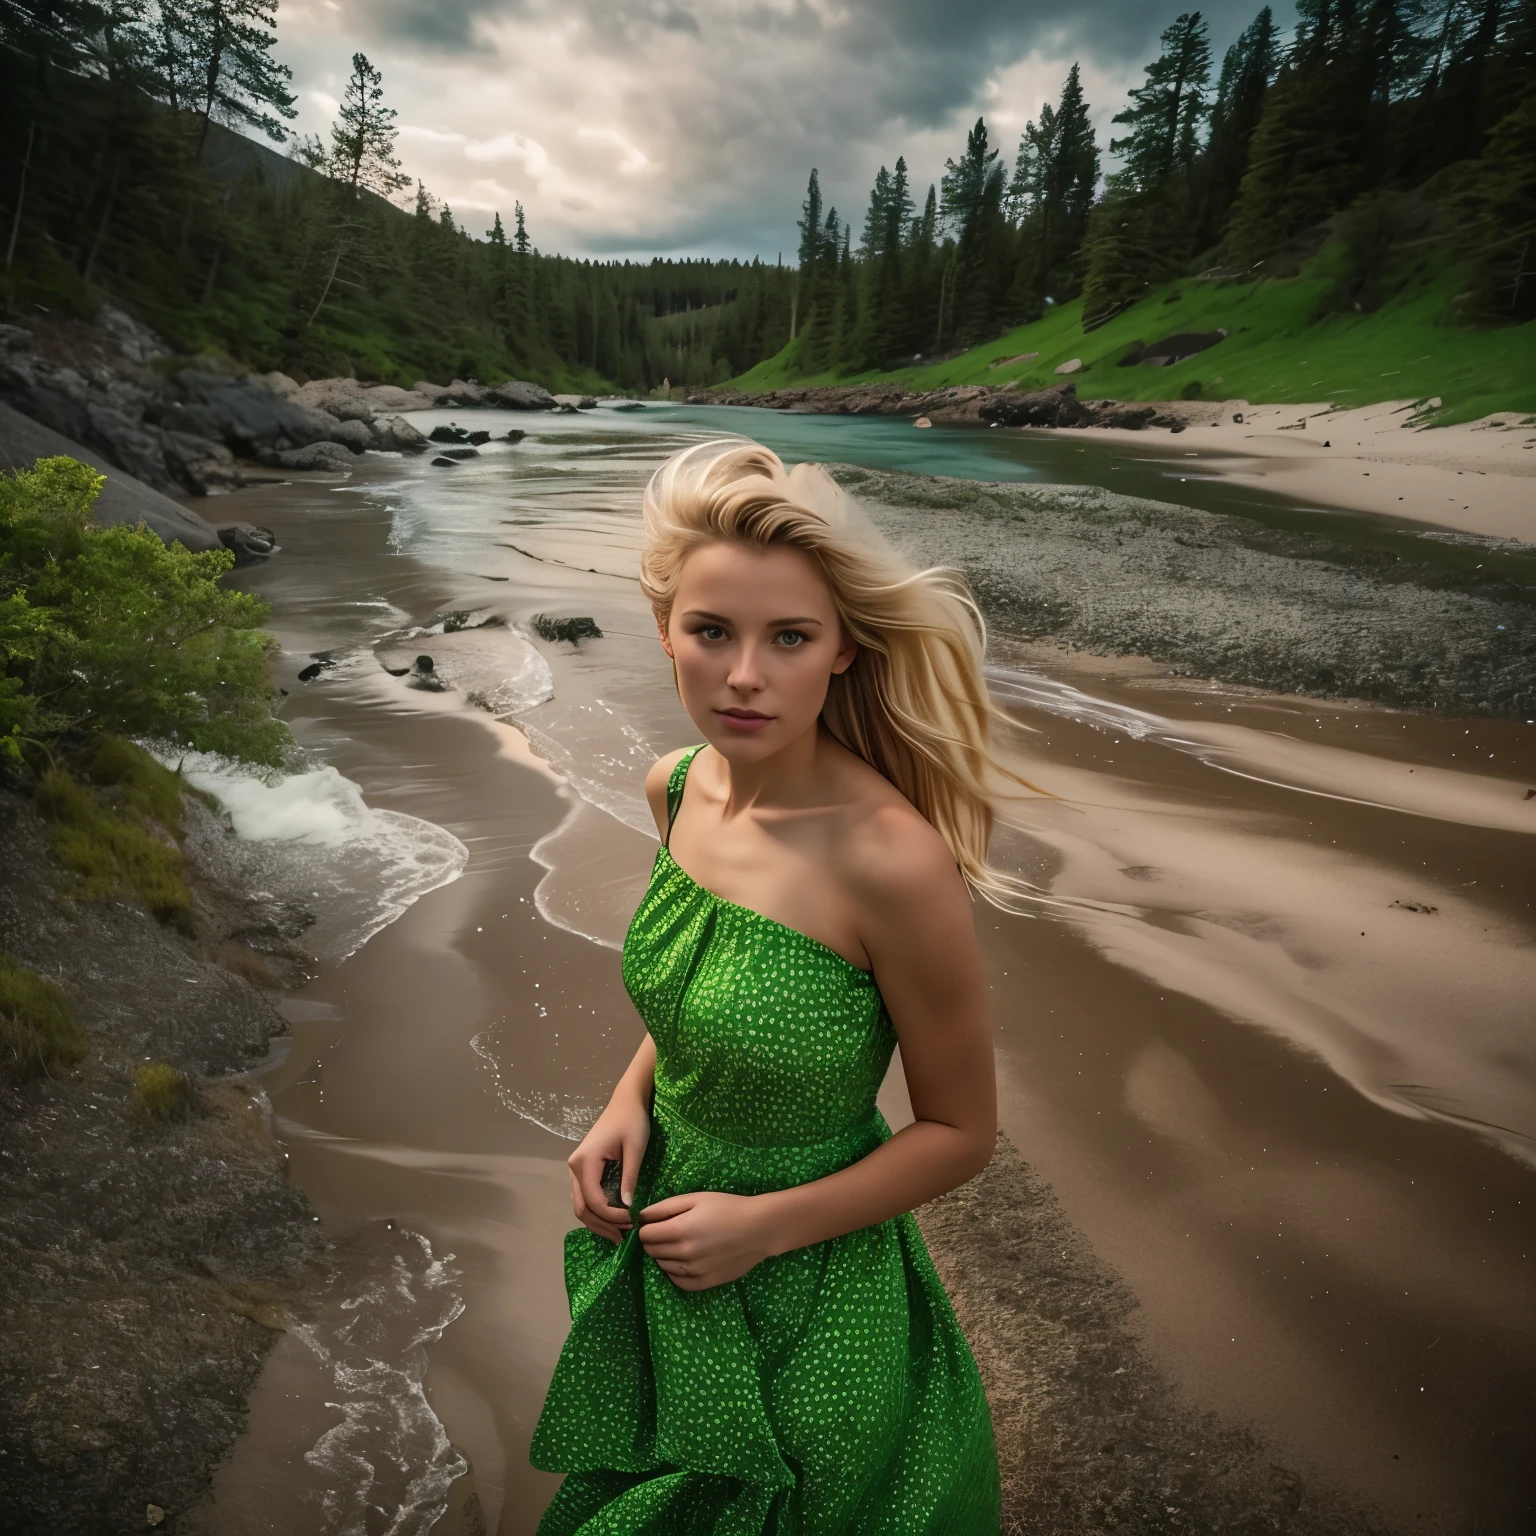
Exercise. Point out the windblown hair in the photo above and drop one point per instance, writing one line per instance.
(914, 704)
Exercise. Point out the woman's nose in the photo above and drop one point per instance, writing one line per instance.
(746, 674)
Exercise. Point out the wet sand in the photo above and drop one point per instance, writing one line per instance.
(1284, 1108)
(1478, 477)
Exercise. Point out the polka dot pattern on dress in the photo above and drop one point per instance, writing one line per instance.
(829, 1391)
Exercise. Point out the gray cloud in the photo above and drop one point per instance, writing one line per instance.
(654, 126)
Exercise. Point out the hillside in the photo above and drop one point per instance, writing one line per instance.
(1286, 344)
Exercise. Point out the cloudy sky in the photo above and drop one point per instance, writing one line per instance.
(688, 127)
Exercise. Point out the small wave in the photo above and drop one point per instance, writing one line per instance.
(311, 837)
(389, 1452)
(564, 1115)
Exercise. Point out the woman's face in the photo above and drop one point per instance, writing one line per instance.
(755, 638)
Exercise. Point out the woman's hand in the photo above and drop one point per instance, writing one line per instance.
(707, 1239)
(620, 1135)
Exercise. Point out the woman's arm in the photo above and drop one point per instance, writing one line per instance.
(620, 1135)
(918, 930)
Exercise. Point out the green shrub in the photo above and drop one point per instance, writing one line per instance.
(1191, 391)
(162, 1093)
(38, 1028)
(108, 630)
(111, 849)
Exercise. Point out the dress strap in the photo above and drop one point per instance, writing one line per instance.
(675, 781)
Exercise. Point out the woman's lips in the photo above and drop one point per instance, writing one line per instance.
(743, 719)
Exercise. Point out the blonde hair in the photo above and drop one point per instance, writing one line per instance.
(914, 704)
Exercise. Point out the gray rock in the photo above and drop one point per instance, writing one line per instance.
(129, 443)
(1058, 407)
(465, 392)
(280, 385)
(243, 413)
(248, 542)
(461, 453)
(323, 455)
(399, 434)
(357, 435)
(516, 395)
(138, 342)
(345, 399)
(123, 499)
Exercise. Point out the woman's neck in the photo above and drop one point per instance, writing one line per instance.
(788, 778)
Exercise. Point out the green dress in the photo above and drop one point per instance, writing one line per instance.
(829, 1391)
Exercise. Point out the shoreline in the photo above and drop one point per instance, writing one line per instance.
(1417, 472)
(151, 1264)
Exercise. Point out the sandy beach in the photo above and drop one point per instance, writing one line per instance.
(1251, 1254)
(1478, 477)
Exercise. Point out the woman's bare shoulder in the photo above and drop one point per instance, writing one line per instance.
(656, 785)
(887, 850)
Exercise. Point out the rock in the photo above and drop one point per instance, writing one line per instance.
(465, 392)
(357, 435)
(430, 391)
(442, 461)
(922, 421)
(566, 409)
(448, 434)
(243, 413)
(311, 672)
(1237, 416)
(1174, 349)
(343, 398)
(1072, 365)
(323, 455)
(153, 1515)
(248, 542)
(573, 629)
(280, 385)
(207, 468)
(514, 435)
(460, 453)
(1056, 407)
(478, 437)
(515, 395)
(123, 499)
(629, 405)
(399, 434)
(1107, 414)
(139, 344)
(138, 449)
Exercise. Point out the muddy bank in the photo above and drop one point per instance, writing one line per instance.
(1091, 1436)
(1227, 598)
(147, 1264)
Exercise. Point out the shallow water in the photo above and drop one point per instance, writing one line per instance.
(1269, 1035)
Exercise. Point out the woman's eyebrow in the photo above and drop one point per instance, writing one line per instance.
(720, 618)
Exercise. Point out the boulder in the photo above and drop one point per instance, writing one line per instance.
(476, 438)
(465, 392)
(450, 433)
(123, 499)
(390, 397)
(345, 399)
(138, 343)
(460, 453)
(514, 435)
(1072, 365)
(322, 455)
(280, 385)
(248, 542)
(429, 391)
(397, 433)
(442, 461)
(242, 412)
(357, 435)
(200, 463)
(1057, 407)
(515, 395)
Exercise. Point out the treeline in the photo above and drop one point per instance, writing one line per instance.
(121, 178)
(1396, 123)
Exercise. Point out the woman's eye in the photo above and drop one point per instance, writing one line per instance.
(712, 632)
(791, 637)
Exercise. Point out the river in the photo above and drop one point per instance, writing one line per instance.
(1270, 1040)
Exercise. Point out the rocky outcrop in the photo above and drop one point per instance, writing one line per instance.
(123, 498)
(194, 433)
(960, 405)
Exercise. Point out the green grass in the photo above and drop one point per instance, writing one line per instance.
(38, 1028)
(108, 833)
(162, 1093)
(1283, 348)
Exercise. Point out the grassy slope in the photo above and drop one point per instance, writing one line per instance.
(1277, 351)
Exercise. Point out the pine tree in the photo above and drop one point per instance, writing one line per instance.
(1246, 74)
(1166, 111)
(520, 242)
(363, 135)
(225, 54)
(1055, 178)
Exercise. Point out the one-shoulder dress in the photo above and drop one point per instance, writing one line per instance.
(828, 1391)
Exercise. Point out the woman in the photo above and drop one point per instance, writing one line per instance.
(759, 1341)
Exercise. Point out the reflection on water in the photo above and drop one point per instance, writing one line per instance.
(1306, 926)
